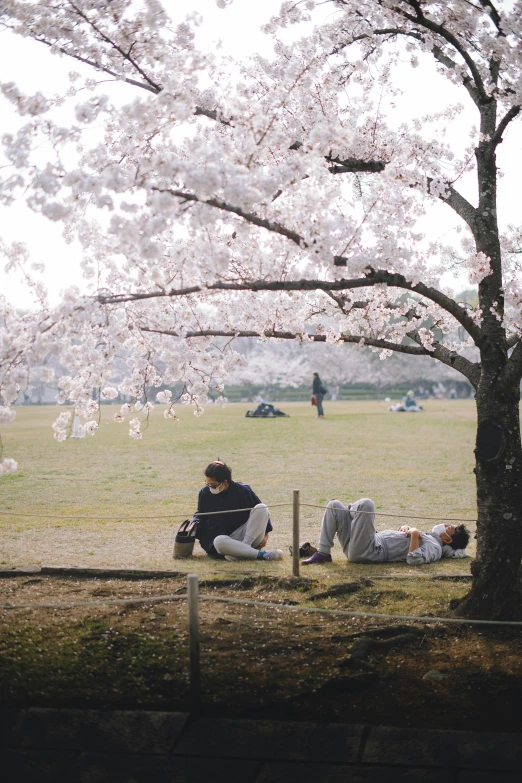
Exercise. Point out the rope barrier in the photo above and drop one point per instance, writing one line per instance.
(404, 515)
(348, 613)
(107, 602)
(268, 605)
(141, 516)
(399, 516)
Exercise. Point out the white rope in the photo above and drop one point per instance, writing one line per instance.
(123, 518)
(399, 516)
(348, 613)
(107, 602)
(404, 515)
(268, 605)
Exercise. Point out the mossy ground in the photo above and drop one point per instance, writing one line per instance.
(258, 661)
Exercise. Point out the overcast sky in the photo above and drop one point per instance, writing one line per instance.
(31, 66)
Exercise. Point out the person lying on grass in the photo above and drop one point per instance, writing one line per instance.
(354, 525)
(234, 536)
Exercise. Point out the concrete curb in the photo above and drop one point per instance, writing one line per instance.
(80, 746)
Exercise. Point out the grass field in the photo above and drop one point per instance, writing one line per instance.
(419, 464)
(135, 655)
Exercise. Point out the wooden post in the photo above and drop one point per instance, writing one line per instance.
(295, 534)
(193, 618)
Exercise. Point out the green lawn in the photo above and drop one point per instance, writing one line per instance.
(418, 464)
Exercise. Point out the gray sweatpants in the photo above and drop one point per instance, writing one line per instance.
(354, 525)
(242, 542)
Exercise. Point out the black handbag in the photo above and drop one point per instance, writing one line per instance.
(185, 539)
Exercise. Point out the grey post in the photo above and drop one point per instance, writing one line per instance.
(295, 534)
(193, 618)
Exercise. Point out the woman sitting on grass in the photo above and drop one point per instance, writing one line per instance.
(237, 535)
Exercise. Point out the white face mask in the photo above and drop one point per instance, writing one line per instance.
(438, 529)
(215, 490)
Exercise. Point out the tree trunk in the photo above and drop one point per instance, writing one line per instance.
(496, 591)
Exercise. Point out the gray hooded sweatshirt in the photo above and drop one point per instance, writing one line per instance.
(391, 546)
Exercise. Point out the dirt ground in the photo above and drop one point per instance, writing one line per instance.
(256, 661)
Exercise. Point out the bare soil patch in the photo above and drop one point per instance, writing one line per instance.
(261, 661)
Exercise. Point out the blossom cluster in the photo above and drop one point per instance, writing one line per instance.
(61, 426)
(8, 466)
(135, 429)
(7, 414)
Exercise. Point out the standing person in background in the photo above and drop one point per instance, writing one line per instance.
(318, 391)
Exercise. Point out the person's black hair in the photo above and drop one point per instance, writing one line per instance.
(316, 374)
(460, 538)
(219, 471)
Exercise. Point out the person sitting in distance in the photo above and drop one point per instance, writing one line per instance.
(239, 535)
(354, 526)
(408, 405)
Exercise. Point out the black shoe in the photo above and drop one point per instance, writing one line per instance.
(305, 550)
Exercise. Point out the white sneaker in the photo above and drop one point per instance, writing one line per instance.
(272, 554)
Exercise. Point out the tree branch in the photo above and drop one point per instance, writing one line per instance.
(372, 278)
(347, 164)
(513, 368)
(347, 306)
(504, 122)
(376, 277)
(493, 15)
(316, 338)
(341, 303)
(100, 67)
(470, 370)
(212, 114)
(451, 65)
(352, 165)
(436, 51)
(343, 166)
(440, 30)
(249, 217)
(458, 203)
(126, 55)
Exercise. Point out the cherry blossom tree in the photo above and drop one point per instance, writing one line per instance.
(272, 366)
(285, 364)
(353, 364)
(272, 198)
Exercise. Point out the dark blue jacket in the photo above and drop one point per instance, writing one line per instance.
(317, 386)
(236, 496)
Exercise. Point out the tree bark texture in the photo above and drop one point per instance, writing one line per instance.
(496, 591)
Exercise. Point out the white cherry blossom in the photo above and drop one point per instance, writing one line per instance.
(8, 466)
(7, 414)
